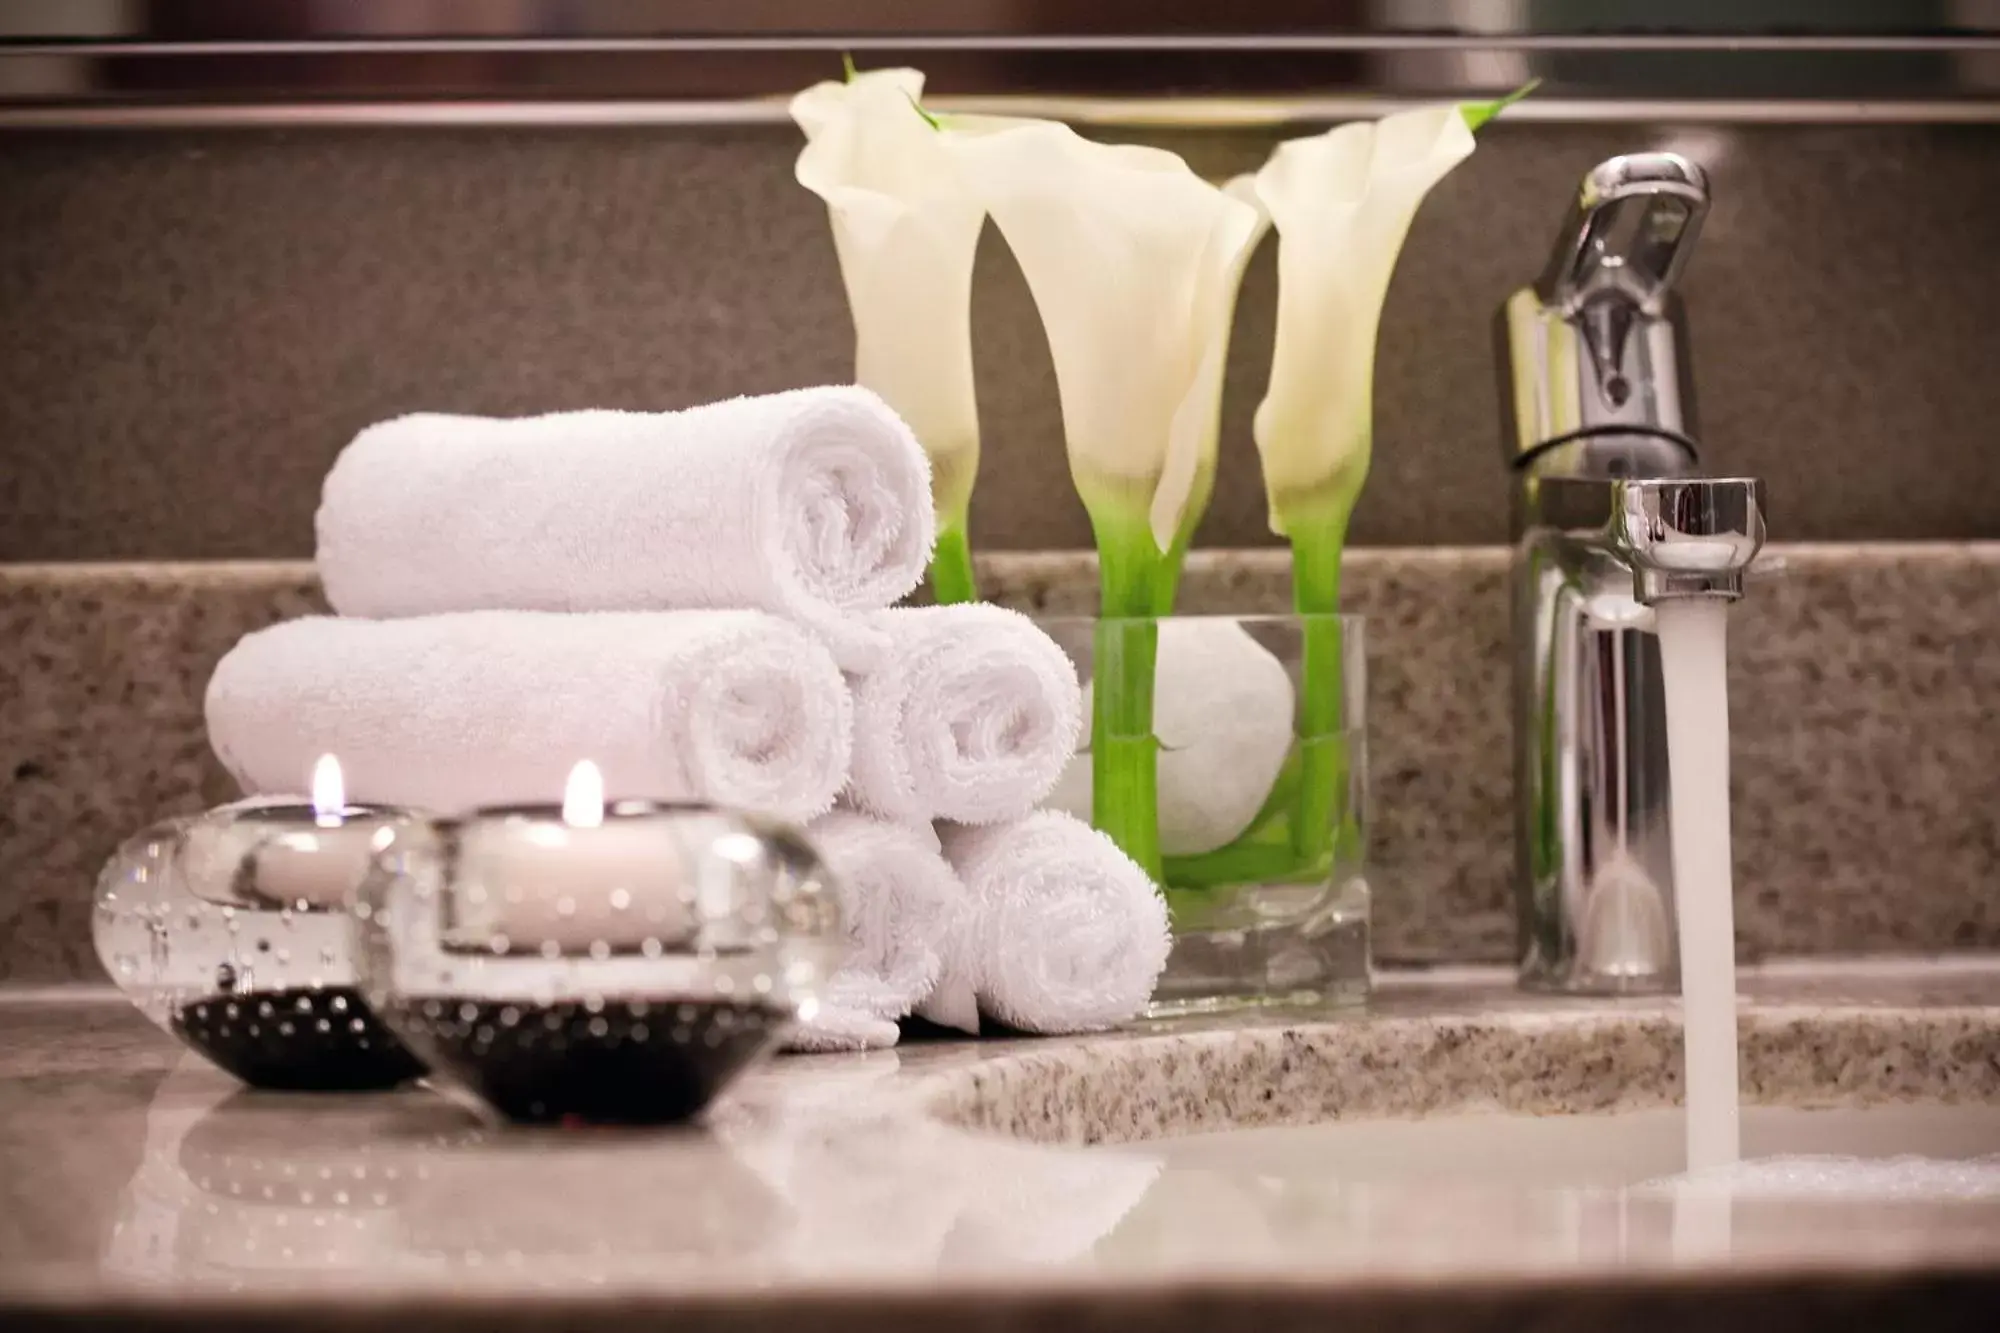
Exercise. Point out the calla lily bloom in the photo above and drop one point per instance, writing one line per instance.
(905, 227)
(1134, 262)
(1342, 203)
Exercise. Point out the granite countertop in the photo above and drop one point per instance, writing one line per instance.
(913, 1187)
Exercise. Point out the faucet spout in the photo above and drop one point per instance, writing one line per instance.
(1687, 537)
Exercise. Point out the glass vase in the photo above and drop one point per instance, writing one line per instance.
(1246, 795)
(230, 930)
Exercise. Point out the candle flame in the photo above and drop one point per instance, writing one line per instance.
(583, 796)
(329, 791)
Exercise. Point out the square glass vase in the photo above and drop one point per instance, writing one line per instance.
(1229, 755)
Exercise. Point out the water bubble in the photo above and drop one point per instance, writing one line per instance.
(620, 899)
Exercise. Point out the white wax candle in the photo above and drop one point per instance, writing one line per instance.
(525, 883)
(316, 868)
(282, 857)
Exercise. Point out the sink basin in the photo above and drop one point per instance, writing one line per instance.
(1545, 1193)
(1851, 1151)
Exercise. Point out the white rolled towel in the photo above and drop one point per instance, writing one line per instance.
(1068, 933)
(900, 903)
(495, 707)
(969, 717)
(832, 1027)
(814, 504)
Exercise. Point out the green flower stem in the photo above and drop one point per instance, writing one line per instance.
(952, 578)
(1316, 551)
(1134, 578)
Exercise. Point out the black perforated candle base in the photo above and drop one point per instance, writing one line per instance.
(298, 1040)
(624, 1062)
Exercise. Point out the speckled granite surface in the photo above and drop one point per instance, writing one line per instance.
(193, 322)
(1429, 1045)
(1867, 800)
(142, 1188)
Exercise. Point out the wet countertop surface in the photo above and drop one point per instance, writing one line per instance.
(1032, 1178)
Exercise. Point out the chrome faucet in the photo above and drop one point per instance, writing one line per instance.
(1610, 518)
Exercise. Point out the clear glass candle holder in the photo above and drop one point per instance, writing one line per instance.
(620, 969)
(1247, 738)
(230, 930)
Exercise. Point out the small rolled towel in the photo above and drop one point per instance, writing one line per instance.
(1068, 934)
(814, 504)
(495, 707)
(900, 902)
(835, 1027)
(969, 717)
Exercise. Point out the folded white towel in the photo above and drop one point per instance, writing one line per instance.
(814, 504)
(900, 903)
(1069, 934)
(495, 707)
(833, 1027)
(970, 717)
(954, 1001)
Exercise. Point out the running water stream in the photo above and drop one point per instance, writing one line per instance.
(1693, 638)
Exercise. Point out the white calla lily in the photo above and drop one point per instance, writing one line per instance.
(1133, 262)
(906, 229)
(1342, 203)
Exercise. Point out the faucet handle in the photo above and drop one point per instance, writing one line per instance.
(1593, 348)
(1629, 232)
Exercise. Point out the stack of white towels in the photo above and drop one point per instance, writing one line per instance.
(703, 604)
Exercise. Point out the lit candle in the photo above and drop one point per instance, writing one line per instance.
(276, 857)
(573, 881)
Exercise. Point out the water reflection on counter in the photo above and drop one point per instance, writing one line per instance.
(833, 1174)
(239, 1189)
